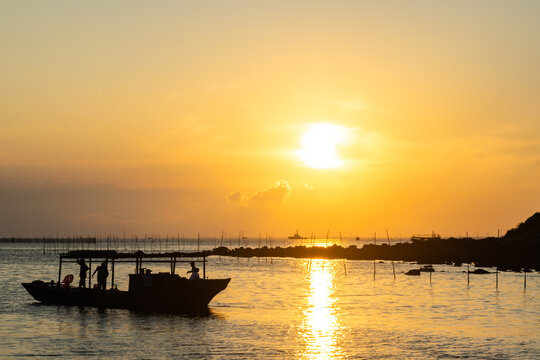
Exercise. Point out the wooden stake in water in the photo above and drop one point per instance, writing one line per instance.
(393, 267)
(260, 241)
(524, 278)
(468, 274)
(270, 241)
(497, 278)
(344, 263)
(327, 236)
(375, 241)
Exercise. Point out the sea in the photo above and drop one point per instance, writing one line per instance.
(279, 308)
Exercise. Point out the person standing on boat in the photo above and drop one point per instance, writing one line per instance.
(82, 272)
(102, 274)
(147, 278)
(194, 272)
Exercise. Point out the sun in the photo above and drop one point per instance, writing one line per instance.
(319, 144)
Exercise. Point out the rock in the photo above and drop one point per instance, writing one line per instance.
(413, 272)
(479, 271)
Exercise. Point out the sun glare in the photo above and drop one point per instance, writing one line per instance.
(322, 329)
(319, 144)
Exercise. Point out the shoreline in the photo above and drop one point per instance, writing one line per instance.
(518, 250)
(406, 252)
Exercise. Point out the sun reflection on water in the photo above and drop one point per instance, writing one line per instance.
(320, 330)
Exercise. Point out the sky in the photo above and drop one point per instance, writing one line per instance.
(178, 117)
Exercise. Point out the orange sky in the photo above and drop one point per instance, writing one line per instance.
(181, 117)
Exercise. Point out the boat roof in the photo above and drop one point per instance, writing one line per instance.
(112, 254)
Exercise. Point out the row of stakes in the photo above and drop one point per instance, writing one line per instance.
(56, 245)
(178, 243)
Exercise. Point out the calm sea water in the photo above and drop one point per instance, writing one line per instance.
(283, 308)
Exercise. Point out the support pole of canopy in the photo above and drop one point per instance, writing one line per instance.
(60, 270)
(112, 278)
(90, 273)
(204, 268)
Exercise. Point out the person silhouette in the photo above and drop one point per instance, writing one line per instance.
(102, 274)
(82, 272)
(194, 272)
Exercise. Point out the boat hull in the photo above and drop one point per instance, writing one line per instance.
(189, 296)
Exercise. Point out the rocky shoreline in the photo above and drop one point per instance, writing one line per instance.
(518, 250)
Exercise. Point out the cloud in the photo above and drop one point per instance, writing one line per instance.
(235, 196)
(275, 193)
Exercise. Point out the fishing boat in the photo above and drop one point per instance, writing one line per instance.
(162, 292)
(297, 236)
(425, 237)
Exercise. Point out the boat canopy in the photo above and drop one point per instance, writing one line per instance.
(137, 257)
(112, 254)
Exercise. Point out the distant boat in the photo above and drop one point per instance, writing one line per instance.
(297, 236)
(425, 237)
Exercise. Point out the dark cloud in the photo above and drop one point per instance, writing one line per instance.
(275, 193)
(235, 196)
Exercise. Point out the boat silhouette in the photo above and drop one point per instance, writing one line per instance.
(297, 236)
(162, 292)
